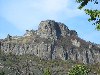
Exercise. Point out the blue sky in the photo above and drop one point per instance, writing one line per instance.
(16, 16)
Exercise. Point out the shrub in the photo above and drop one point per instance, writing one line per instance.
(47, 71)
(79, 70)
(2, 73)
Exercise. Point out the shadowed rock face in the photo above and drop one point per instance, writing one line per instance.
(52, 40)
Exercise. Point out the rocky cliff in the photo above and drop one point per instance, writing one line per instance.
(52, 40)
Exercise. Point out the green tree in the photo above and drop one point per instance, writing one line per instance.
(79, 70)
(2, 73)
(94, 14)
(47, 71)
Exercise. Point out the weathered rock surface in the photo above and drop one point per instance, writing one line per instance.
(52, 40)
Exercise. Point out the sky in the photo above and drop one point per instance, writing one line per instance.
(16, 16)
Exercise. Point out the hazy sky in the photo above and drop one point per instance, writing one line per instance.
(16, 16)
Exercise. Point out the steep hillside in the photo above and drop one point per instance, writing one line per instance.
(52, 46)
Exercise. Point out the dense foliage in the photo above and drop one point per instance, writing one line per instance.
(94, 14)
(79, 70)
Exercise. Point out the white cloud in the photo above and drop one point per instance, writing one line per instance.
(25, 14)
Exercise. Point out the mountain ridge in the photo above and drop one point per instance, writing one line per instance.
(52, 40)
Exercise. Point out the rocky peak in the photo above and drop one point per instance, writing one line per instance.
(52, 29)
(8, 37)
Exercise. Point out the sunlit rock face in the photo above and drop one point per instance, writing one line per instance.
(52, 40)
(75, 42)
(52, 29)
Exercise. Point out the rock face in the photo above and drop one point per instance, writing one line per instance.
(52, 40)
(52, 29)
